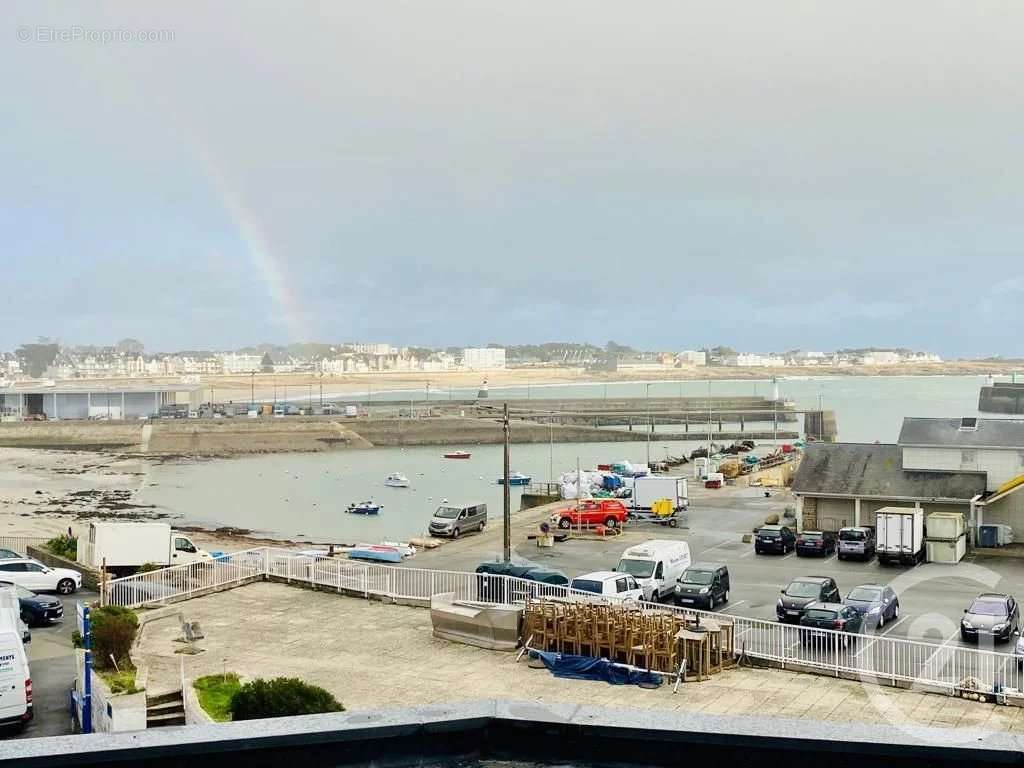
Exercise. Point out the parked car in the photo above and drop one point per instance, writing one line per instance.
(33, 575)
(703, 585)
(493, 588)
(803, 591)
(608, 512)
(877, 603)
(815, 543)
(990, 615)
(856, 542)
(453, 520)
(610, 584)
(36, 610)
(774, 538)
(828, 615)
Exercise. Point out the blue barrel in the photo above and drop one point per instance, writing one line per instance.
(988, 536)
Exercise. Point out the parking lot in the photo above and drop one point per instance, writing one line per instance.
(51, 660)
(932, 596)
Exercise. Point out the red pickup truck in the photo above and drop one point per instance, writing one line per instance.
(609, 512)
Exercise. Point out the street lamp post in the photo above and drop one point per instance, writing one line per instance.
(252, 390)
(650, 425)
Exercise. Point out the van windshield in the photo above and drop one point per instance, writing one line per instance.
(697, 577)
(640, 569)
(449, 513)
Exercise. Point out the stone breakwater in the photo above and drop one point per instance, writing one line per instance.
(232, 437)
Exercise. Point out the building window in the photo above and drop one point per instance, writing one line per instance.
(967, 457)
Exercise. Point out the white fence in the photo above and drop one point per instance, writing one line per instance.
(20, 544)
(871, 658)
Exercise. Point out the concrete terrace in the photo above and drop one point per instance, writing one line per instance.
(373, 655)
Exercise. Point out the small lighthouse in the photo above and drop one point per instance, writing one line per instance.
(482, 393)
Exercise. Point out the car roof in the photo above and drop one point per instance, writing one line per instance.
(992, 597)
(811, 579)
(826, 606)
(869, 585)
(812, 533)
(854, 528)
(772, 527)
(706, 566)
(600, 575)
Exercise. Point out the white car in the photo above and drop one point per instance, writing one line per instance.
(609, 584)
(33, 575)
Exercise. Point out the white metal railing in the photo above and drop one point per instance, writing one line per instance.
(872, 658)
(20, 544)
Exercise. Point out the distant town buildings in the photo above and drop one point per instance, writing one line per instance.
(53, 361)
(483, 358)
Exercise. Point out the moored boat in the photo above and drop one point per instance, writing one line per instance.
(457, 455)
(397, 480)
(364, 508)
(376, 552)
(515, 478)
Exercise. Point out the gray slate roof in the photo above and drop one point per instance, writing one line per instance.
(946, 433)
(873, 470)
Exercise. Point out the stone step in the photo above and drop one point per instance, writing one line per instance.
(163, 698)
(162, 721)
(164, 709)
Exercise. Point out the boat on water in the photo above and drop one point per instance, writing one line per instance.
(364, 508)
(515, 478)
(397, 480)
(457, 455)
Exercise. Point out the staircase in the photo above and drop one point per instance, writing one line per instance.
(165, 709)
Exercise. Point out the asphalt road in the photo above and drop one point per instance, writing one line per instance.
(51, 660)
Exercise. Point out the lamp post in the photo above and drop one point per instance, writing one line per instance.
(650, 425)
(506, 495)
(252, 390)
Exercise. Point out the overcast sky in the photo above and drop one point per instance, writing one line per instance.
(670, 174)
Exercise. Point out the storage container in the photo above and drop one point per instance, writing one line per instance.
(946, 551)
(945, 526)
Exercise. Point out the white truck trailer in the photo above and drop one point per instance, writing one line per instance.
(899, 535)
(125, 547)
(647, 490)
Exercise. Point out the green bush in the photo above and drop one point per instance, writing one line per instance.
(215, 693)
(64, 546)
(122, 681)
(281, 697)
(147, 567)
(113, 632)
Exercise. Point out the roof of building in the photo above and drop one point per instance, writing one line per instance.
(969, 432)
(876, 471)
(92, 386)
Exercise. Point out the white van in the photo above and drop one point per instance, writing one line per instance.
(15, 679)
(9, 604)
(608, 584)
(657, 565)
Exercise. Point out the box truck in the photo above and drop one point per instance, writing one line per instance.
(899, 534)
(124, 547)
(647, 490)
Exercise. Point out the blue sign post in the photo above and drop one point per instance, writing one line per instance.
(85, 630)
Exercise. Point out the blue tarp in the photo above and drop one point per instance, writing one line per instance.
(612, 482)
(589, 668)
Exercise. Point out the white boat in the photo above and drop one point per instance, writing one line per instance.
(397, 480)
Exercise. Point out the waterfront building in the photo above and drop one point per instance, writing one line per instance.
(483, 359)
(84, 400)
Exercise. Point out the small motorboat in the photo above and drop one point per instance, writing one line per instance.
(515, 478)
(364, 508)
(458, 455)
(397, 480)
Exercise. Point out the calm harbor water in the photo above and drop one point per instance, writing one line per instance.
(306, 494)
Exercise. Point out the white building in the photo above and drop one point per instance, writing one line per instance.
(236, 363)
(693, 357)
(880, 358)
(483, 359)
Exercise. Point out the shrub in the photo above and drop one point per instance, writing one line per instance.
(281, 697)
(113, 632)
(122, 681)
(64, 546)
(215, 693)
(147, 567)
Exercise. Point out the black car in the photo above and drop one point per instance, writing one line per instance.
(815, 543)
(991, 615)
(774, 538)
(802, 592)
(703, 585)
(834, 616)
(36, 610)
